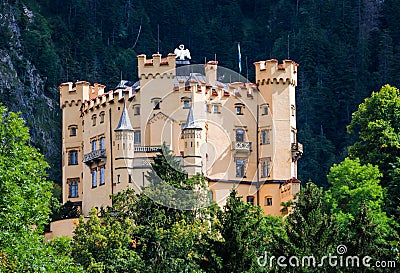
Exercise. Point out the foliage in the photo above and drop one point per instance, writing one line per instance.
(308, 230)
(245, 232)
(377, 124)
(24, 203)
(356, 201)
(105, 245)
(146, 234)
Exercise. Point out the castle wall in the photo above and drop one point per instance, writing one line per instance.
(215, 151)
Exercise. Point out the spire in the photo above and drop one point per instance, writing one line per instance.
(191, 122)
(124, 121)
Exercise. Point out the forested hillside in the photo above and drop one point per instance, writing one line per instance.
(346, 49)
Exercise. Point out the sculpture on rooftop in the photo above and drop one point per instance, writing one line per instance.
(182, 53)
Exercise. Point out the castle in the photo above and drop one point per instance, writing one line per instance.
(237, 134)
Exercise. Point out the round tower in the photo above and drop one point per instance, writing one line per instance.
(191, 135)
(123, 148)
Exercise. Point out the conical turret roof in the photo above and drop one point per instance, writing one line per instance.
(191, 122)
(124, 121)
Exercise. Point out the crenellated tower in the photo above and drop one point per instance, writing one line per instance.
(277, 119)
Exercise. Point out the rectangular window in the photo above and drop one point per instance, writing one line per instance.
(136, 110)
(73, 158)
(118, 179)
(250, 199)
(239, 110)
(265, 136)
(156, 105)
(240, 167)
(293, 136)
(94, 145)
(73, 188)
(268, 201)
(137, 138)
(265, 168)
(72, 130)
(129, 178)
(94, 178)
(102, 142)
(239, 135)
(186, 104)
(264, 110)
(208, 108)
(216, 109)
(102, 177)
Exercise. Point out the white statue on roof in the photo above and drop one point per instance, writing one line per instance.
(182, 53)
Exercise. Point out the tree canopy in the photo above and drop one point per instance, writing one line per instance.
(25, 196)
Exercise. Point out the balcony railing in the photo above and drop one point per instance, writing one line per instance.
(147, 149)
(242, 146)
(297, 150)
(94, 155)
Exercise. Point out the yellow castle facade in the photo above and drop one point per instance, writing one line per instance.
(237, 134)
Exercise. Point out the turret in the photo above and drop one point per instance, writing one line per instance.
(156, 67)
(270, 72)
(211, 71)
(124, 137)
(191, 134)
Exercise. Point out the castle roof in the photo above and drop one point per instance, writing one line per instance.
(124, 121)
(191, 122)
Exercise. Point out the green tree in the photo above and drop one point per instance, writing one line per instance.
(106, 245)
(356, 201)
(245, 232)
(24, 203)
(377, 125)
(309, 231)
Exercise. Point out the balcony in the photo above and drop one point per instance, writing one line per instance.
(147, 149)
(297, 150)
(94, 156)
(242, 146)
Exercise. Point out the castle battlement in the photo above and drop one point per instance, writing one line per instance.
(157, 66)
(90, 96)
(271, 72)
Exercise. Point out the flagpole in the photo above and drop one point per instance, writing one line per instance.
(240, 59)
